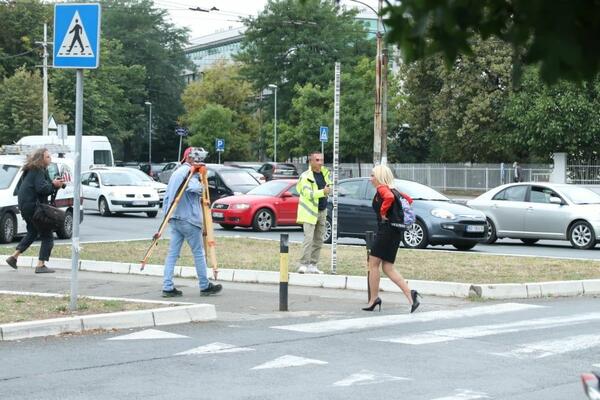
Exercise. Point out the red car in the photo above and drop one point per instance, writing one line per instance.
(274, 203)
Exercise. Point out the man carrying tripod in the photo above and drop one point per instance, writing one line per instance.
(186, 224)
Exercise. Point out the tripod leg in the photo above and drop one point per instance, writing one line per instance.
(208, 234)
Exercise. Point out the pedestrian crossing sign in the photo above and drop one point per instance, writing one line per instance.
(76, 35)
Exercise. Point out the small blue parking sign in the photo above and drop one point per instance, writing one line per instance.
(323, 131)
(220, 144)
(76, 35)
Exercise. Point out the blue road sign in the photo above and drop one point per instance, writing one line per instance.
(220, 144)
(181, 131)
(76, 35)
(323, 131)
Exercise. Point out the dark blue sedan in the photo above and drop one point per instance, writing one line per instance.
(439, 220)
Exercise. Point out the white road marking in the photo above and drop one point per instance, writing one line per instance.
(289, 361)
(548, 348)
(387, 320)
(448, 335)
(215, 348)
(465, 395)
(366, 377)
(149, 334)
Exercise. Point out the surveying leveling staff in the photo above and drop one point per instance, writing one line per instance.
(186, 224)
(313, 187)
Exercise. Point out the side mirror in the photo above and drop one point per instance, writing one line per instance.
(286, 195)
(555, 200)
(94, 184)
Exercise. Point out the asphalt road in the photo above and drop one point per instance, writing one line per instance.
(138, 226)
(324, 348)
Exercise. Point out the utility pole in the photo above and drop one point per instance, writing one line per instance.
(45, 84)
(379, 122)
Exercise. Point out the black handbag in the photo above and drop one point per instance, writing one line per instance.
(47, 217)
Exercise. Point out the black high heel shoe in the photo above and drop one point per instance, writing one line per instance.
(416, 303)
(376, 303)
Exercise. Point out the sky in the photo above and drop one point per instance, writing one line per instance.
(229, 14)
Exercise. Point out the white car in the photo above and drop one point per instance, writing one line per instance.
(143, 179)
(11, 221)
(112, 190)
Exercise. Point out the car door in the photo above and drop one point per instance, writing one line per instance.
(351, 199)
(287, 207)
(508, 210)
(92, 192)
(544, 219)
(85, 190)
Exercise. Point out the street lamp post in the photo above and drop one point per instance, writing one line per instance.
(272, 86)
(149, 135)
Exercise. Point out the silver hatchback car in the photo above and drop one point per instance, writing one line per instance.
(533, 211)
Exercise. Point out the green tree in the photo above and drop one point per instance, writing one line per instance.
(21, 106)
(151, 41)
(556, 34)
(294, 42)
(210, 122)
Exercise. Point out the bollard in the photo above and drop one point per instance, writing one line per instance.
(369, 238)
(283, 271)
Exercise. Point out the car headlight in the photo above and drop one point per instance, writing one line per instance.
(241, 206)
(441, 213)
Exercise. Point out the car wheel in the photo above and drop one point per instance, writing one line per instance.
(103, 207)
(530, 242)
(327, 234)
(8, 228)
(415, 236)
(491, 233)
(151, 214)
(67, 229)
(263, 220)
(464, 246)
(227, 227)
(582, 235)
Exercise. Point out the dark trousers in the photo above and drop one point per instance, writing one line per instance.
(47, 238)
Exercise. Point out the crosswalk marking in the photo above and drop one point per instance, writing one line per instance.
(448, 335)
(289, 361)
(465, 395)
(387, 320)
(215, 348)
(366, 377)
(548, 348)
(149, 334)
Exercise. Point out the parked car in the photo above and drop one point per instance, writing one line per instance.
(252, 169)
(113, 190)
(144, 179)
(273, 170)
(273, 204)
(11, 221)
(226, 181)
(533, 211)
(152, 170)
(439, 220)
(165, 174)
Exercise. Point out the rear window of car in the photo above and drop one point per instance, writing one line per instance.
(7, 174)
(235, 177)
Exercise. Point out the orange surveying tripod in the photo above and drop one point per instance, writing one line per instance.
(208, 236)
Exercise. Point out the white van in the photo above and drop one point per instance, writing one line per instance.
(11, 221)
(95, 150)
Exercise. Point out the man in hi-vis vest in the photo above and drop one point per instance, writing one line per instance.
(313, 187)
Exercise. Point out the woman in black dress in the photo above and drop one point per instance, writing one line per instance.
(35, 187)
(387, 241)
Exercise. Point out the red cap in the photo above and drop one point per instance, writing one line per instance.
(186, 153)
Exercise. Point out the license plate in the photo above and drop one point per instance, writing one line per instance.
(217, 215)
(475, 228)
(140, 203)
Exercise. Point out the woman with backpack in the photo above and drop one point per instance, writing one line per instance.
(34, 188)
(387, 240)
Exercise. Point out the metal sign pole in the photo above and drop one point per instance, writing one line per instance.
(179, 153)
(336, 144)
(76, 189)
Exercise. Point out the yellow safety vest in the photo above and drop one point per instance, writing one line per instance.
(308, 205)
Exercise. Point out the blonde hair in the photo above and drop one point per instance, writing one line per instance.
(35, 160)
(384, 175)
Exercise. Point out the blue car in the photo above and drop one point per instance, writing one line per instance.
(439, 220)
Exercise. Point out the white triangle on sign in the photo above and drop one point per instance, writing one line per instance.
(289, 361)
(215, 348)
(149, 334)
(76, 42)
(366, 377)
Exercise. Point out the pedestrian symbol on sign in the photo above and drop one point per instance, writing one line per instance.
(323, 131)
(76, 36)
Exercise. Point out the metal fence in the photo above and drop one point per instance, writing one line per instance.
(583, 174)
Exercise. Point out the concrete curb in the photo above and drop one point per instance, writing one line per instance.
(502, 291)
(119, 320)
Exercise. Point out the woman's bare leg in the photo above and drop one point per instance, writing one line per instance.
(374, 277)
(395, 276)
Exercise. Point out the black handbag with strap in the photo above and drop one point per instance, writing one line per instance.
(47, 217)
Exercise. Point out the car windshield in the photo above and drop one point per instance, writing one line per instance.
(236, 177)
(272, 188)
(418, 191)
(580, 195)
(118, 179)
(7, 174)
(139, 175)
